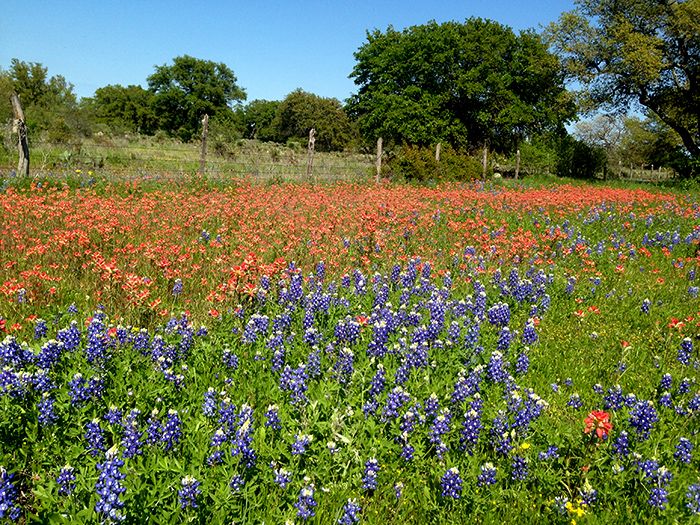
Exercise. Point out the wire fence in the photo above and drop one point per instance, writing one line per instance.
(257, 161)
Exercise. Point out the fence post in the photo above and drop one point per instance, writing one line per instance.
(22, 144)
(203, 156)
(378, 163)
(517, 164)
(484, 161)
(310, 154)
(437, 152)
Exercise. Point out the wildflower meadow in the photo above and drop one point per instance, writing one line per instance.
(197, 352)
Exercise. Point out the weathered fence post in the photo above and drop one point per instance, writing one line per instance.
(517, 164)
(310, 154)
(437, 152)
(379, 158)
(22, 144)
(203, 156)
(484, 161)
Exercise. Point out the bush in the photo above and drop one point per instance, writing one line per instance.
(418, 164)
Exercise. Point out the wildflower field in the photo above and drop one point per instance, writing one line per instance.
(176, 352)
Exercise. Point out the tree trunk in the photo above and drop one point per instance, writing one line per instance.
(22, 143)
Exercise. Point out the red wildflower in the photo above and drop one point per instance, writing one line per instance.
(599, 421)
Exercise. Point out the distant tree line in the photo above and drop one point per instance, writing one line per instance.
(468, 86)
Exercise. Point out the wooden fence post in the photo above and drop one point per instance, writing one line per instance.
(484, 161)
(437, 152)
(310, 154)
(379, 159)
(517, 164)
(22, 143)
(203, 156)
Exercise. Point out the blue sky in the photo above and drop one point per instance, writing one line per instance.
(272, 47)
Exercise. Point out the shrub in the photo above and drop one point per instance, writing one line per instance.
(418, 164)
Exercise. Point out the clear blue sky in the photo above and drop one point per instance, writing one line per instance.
(272, 47)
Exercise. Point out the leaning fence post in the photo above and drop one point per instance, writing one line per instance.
(437, 152)
(203, 156)
(378, 163)
(517, 164)
(310, 154)
(22, 144)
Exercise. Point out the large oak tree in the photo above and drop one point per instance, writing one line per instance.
(468, 84)
(627, 52)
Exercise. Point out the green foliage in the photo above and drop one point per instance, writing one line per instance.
(49, 103)
(462, 84)
(125, 109)
(418, 164)
(636, 52)
(300, 111)
(579, 160)
(190, 88)
(258, 119)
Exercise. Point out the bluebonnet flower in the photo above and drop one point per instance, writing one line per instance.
(350, 513)
(237, 482)
(646, 303)
(575, 401)
(519, 470)
(66, 481)
(487, 475)
(369, 480)
(344, 365)
(666, 382)
(658, 497)
(97, 344)
(692, 498)
(500, 437)
(272, 418)
(243, 439)
(282, 477)
(495, 369)
(189, 492)
(209, 404)
(522, 363)
(132, 441)
(113, 415)
(109, 488)
(504, 339)
(685, 351)
(293, 380)
(171, 432)
(642, 418)
(47, 414)
(155, 428)
(306, 503)
(40, 329)
(50, 354)
(614, 399)
(451, 484)
(621, 445)
(499, 314)
(471, 427)
(216, 441)
(432, 405)
(589, 495)
(394, 401)
(300, 444)
(552, 452)
(230, 359)
(8, 496)
(177, 287)
(94, 437)
(684, 451)
(398, 489)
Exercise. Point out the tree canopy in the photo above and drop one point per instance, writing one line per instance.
(626, 52)
(125, 108)
(466, 84)
(189, 88)
(300, 111)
